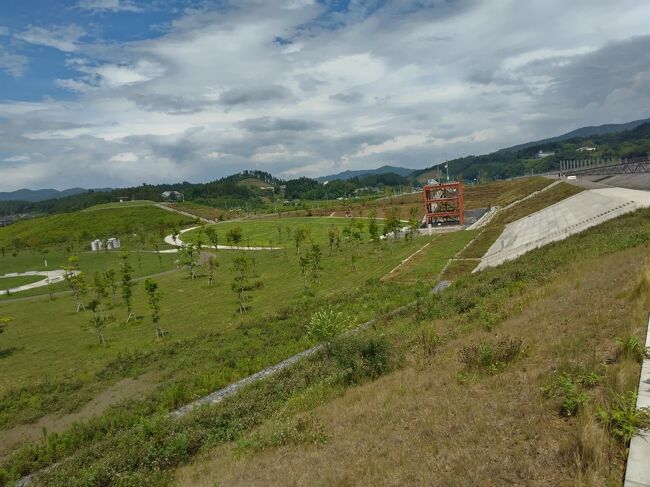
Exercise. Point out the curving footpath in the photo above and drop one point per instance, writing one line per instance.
(177, 242)
(49, 277)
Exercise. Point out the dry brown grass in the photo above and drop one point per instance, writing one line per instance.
(421, 425)
(502, 193)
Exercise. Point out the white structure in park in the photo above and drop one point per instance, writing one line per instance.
(173, 196)
(113, 243)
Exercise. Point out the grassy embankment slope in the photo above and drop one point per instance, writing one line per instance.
(206, 348)
(523, 374)
(498, 193)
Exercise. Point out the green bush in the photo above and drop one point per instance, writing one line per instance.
(361, 357)
(325, 324)
(621, 417)
(567, 389)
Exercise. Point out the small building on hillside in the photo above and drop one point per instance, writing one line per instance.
(541, 154)
(585, 149)
(173, 196)
(96, 245)
(113, 243)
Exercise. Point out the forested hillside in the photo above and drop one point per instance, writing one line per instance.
(512, 162)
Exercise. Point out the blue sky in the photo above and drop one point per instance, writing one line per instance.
(119, 92)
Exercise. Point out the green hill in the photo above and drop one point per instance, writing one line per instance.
(83, 226)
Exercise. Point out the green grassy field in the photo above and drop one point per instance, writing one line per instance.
(122, 205)
(9, 282)
(52, 332)
(83, 226)
(144, 263)
(278, 231)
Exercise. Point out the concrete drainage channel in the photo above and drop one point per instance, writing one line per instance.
(637, 473)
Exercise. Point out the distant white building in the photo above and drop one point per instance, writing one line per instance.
(113, 243)
(173, 196)
(541, 154)
(585, 149)
(96, 245)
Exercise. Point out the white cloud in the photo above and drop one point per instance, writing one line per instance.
(13, 64)
(23, 158)
(298, 91)
(109, 6)
(124, 157)
(64, 38)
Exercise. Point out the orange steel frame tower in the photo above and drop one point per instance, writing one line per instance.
(443, 203)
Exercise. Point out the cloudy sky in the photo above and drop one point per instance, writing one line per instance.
(98, 93)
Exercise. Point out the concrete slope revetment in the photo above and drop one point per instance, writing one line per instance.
(559, 221)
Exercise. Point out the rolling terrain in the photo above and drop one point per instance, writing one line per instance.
(535, 353)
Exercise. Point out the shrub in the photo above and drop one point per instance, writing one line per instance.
(427, 340)
(630, 347)
(490, 357)
(621, 417)
(325, 324)
(362, 358)
(564, 387)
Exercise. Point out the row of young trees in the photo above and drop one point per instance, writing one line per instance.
(103, 289)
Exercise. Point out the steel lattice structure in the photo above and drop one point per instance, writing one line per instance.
(597, 167)
(443, 203)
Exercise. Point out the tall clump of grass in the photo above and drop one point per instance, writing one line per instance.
(641, 291)
(589, 445)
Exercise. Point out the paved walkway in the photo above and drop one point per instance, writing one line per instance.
(49, 277)
(637, 473)
(177, 242)
(559, 221)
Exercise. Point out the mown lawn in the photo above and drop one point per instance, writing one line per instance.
(59, 363)
(144, 263)
(10, 282)
(278, 231)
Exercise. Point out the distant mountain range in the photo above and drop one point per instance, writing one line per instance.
(34, 195)
(582, 132)
(495, 162)
(402, 171)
